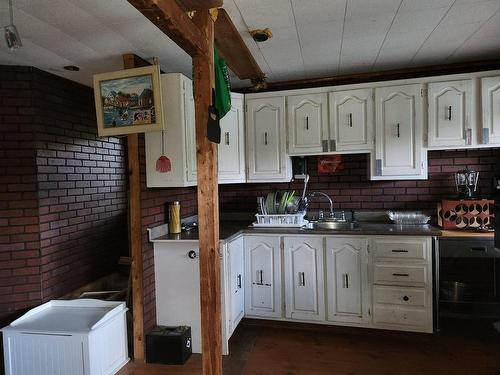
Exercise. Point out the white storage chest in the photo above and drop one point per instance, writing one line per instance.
(77, 337)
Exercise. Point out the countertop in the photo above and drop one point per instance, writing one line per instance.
(230, 229)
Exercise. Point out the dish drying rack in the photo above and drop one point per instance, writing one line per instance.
(282, 220)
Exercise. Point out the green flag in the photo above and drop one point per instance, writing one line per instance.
(222, 86)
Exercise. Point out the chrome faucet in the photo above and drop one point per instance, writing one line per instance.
(330, 201)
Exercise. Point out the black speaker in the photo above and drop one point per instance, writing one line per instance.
(168, 345)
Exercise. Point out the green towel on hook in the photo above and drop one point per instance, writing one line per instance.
(222, 86)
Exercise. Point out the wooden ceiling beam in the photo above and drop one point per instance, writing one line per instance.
(172, 19)
(233, 49)
(190, 5)
(385, 75)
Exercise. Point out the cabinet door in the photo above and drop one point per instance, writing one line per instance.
(190, 131)
(399, 143)
(266, 140)
(449, 107)
(351, 120)
(232, 147)
(304, 280)
(491, 110)
(307, 124)
(263, 276)
(347, 284)
(236, 282)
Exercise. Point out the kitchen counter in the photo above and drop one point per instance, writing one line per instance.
(467, 234)
(231, 229)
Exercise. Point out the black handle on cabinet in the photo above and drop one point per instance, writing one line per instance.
(265, 138)
(350, 120)
(261, 277)
(399, 251)
(449, 112)
(401, 274)
(406, 298)
(482, 249)
(307, 122)
(397, 127)
(227, 138)
(192, 254)
(238, 279)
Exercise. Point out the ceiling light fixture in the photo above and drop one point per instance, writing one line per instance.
(11, 34)
(71, 68)
(261, 35)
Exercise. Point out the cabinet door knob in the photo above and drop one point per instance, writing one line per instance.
(192, 254)
(350, 120)
(397, 127)
(449, 112)
(265, 138)
(239, 281)
(406, 298)
(307, 122)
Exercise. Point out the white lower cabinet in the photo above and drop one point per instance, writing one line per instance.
(402, 283)
(304, 280)
(235, 280)
(263, 276)
(347, 287)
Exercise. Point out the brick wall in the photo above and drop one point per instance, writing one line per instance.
(351, 188)
(82, 188)
(19, 237)
(62, 190)
(154, 208)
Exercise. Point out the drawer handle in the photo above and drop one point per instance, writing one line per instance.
(483, 249)
(399, 251)
(302, 279)
(239, 281)
(401, 274)
(406, 298)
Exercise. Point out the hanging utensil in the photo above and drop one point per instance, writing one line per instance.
(163, 164)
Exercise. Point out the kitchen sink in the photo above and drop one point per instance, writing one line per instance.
(333, 225)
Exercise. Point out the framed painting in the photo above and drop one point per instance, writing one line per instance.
(128, 101)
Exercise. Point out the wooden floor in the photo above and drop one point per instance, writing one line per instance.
(282, 349)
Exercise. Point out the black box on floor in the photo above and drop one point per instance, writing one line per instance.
(168, 345)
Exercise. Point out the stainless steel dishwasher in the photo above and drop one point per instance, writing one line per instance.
(469, 278)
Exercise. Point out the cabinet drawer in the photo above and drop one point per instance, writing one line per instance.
(388, 295)
(401, 275)
(411, 250)
(400, 316)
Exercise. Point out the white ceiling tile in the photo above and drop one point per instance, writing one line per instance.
(368, 9)
(318, 11)
(411, 38)
(412, 5)
(260, 14)
(360, 27)
(470, 13)
(426, 19)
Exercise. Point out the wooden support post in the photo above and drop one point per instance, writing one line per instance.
(208, 204)
(135, 235)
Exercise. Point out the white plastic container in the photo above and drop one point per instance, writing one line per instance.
(77, 337)
(283, 220)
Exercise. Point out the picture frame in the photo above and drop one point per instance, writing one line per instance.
(128, 101)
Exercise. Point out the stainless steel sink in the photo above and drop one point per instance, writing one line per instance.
(334, 225)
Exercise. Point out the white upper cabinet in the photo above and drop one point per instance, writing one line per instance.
(347, 283)
(449, 114)
(263, 276)
(179, 140)
(307, 124)
(304, 280)
(491, 110)
(399, 152)
(351, 120)
(266, 140)
(232, 145)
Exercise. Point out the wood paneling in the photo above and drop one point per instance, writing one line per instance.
(234, 50)
(384, 75)
(171, 18)
(199, 5)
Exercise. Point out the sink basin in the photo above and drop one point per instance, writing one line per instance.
(334, 225)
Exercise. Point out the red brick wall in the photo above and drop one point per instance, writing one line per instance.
(82, 188)
(154, 204)
(351, 188)
(62, 190)
(19, 237)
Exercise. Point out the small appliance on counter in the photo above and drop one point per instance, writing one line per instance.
(466, 210)
(174, 217)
